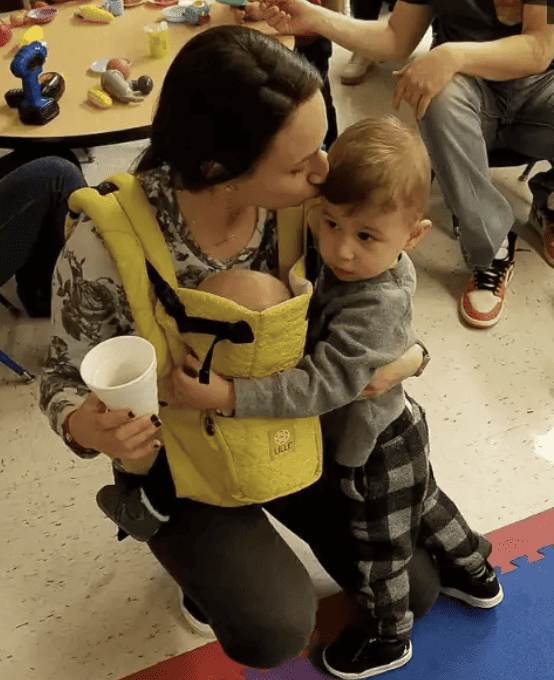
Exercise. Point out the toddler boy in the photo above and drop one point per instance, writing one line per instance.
(376, 451)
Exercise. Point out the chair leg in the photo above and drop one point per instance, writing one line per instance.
(89, 156)
(525, 174)
(455, 227)
(4, 358)
(12, 309)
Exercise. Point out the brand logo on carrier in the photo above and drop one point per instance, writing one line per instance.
(282, 441)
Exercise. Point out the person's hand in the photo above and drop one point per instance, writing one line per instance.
(290, 17)
(394, 373)
(189, 392)
(383, 379)
(422, 79)
(117, 433)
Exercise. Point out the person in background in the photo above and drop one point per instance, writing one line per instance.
(357, 66)
(316, 49)
(488, 82)
(33, 207)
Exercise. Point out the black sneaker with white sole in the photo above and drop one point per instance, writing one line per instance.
(194, 616)
(482, 590)
(356, 656)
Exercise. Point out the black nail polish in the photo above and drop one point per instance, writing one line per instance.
(131, 414)
(154, 418)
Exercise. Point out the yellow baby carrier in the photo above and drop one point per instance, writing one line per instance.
(215, 459)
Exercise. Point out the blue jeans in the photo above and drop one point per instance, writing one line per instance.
(467, 118)
(33, 206)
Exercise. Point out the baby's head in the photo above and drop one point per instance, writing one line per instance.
(254, 290)
(374, 198)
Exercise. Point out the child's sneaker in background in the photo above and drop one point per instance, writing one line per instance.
(481, 590)
(355, 656)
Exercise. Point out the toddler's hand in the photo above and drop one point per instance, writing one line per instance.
(189, 392)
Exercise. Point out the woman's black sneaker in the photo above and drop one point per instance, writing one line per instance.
(355, 656)
(194, 616)
(482, 590)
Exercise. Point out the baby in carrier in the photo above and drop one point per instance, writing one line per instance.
(130, 502)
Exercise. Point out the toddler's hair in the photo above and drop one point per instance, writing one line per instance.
(381, 162)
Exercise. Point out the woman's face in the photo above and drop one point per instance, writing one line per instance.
(294, 166)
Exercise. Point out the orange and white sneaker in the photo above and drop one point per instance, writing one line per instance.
(545, 229)
(484, 298)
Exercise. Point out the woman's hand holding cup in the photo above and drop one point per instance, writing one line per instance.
(121, 373)
(117, 433)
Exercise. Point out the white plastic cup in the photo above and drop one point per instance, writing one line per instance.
(122, 373)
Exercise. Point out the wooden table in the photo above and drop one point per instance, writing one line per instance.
(73, 45)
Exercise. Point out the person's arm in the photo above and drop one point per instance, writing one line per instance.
(388, 376)
(361, 337)
(394, 40)
(513, 57)
(88, 306)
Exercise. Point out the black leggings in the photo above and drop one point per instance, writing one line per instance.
(253, 589)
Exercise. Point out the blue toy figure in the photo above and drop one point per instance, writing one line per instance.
(34, 109)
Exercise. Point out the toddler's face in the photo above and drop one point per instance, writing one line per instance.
(367, 243)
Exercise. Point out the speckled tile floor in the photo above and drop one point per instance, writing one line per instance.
(77, 605)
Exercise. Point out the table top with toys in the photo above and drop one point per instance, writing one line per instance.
(98, 78)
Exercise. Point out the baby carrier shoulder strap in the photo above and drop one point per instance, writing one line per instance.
(126, 221)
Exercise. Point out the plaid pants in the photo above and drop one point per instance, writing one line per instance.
(394, 503)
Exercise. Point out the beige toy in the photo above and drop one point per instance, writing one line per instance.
(114, 83)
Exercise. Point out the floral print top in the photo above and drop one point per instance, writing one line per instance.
(89, 304)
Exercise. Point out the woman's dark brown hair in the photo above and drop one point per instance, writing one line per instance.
(225, 96)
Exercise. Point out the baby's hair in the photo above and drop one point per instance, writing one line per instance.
(381, 162)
